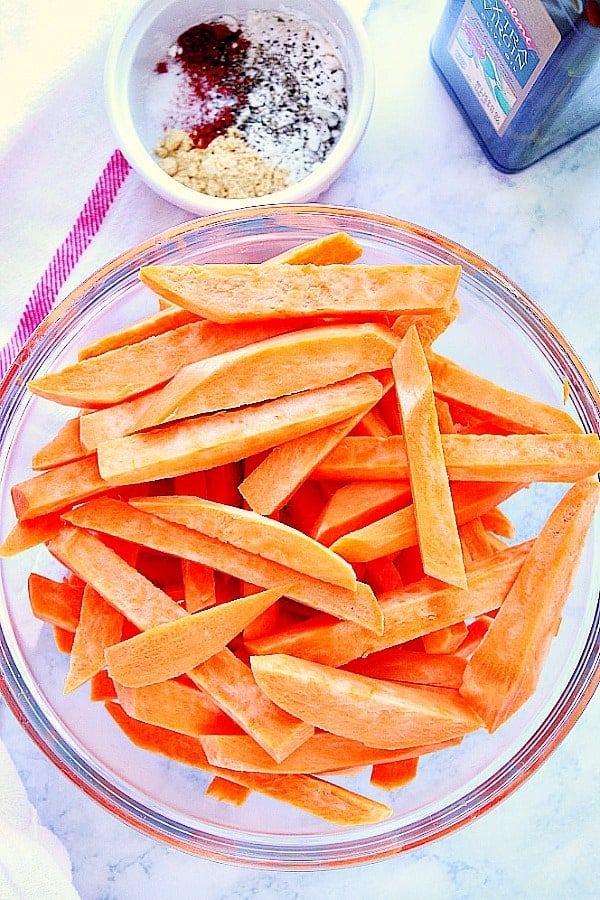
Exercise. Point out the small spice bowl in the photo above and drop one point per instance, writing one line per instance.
(146, 83)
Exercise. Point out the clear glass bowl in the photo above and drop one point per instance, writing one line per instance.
(502, 335)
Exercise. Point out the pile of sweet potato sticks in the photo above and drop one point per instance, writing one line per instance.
(280, 514)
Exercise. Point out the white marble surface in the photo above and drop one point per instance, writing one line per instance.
(419, 162)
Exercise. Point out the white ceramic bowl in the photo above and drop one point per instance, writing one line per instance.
(142, 38)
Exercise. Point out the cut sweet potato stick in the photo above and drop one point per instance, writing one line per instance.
(398, 530)
(232, 686)
(430, 327)
(58, 488)
(319, 754)
(120, 584)
(64, 447)
(379, 713)
(383, 575)
(173, 704)
(274, 480)
(474, 540)
(445, 640)
(399, 663)
(214, 439)
(255, 533)
(63, 639)
(393, 775)
(408, 614)
(276, 291)
(504, 671)
(306, 792)
(102, 688)
(55, 602)
(113, 421)
(373, 424)
(360, 503)
(151, 326)
(99, 626)
(134, 369)
(496, 521)
(29, 533)
(471, 457)
(122, 519)
(198, 585)
(513, 411)
(286, 364)
(227, 791)
(338, 247)
(477, 629)
(437, 530)
(171, 649)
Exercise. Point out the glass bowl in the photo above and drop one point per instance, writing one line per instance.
(502, 335)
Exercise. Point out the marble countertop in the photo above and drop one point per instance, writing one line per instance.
(419, 162)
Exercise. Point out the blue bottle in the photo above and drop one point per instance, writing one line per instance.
(524, 73)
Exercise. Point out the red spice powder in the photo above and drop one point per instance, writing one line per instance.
(211, 57)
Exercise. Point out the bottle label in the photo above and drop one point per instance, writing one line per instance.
(501, 48)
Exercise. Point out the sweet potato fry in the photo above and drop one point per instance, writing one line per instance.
(359, 503)
(58, 488)
(398, 530)
(255, 533)
(338, 247)
(172, 648)
(286, 364)
(425, 606)
(55, 602)
(378, 713)
(99, 626)
(275, 479)
(121, 519)
(211, 440)
(64, 447)
(504, 670)
(265, 292)
(488, 400)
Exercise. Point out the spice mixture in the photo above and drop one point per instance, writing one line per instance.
(257, 103)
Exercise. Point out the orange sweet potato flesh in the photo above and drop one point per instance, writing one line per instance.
(378, 713)
(58, 488)
(504, 671)
(437, 529)
(399, 663)
(408, 614)
(122, 520)
(232, 685)
(510, 410)
(521, 458)
(177, 705)
(117, 420)
(55, 602)
(277, 477)
(393, 775)
(99, 626)
(245, 292)
(398, 530)
(321, 753)
(256, 533)
(29, 533)
(64, 447)
(211, 440)
(164, 320)
(172, 648)
(227, 792)
(359, 503)
(133, 369)
(337, 247)
(119, 583)
(286, 364)
(312, 795)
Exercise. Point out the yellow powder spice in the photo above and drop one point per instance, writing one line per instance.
(228, 167)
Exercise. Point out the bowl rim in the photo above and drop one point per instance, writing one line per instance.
(127, 136)
(330, 852)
